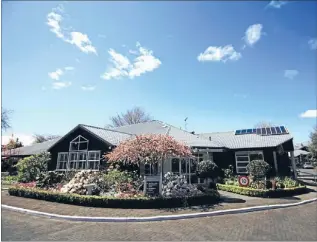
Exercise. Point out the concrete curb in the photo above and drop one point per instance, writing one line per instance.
(156, 218)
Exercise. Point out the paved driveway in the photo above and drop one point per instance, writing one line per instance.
(297, 223)
(308, 171)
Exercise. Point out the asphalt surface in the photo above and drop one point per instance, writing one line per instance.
(294, 224)
(308, 171)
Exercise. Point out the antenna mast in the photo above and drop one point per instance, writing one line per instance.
(186, 123)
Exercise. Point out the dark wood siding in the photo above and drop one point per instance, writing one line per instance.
(226, 158)
(63, 146)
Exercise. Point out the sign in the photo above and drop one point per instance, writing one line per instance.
(152, 185)
(243, 181)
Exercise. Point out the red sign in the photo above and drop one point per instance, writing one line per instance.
(243, 181)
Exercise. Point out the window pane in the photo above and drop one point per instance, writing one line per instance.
(74, 146)
(175, 165)
(82, 156)
(83, 145)
(258, 156)
(147, 169)
(242, 158)
(183, 166)
(72, 165)
(154, 169)
(193, 166)
(241, 170)
(242, 164)
(73, 156)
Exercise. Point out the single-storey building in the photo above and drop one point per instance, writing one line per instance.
(301, 152)
(84, 145)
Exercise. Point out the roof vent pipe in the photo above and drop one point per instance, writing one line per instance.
(209, 138)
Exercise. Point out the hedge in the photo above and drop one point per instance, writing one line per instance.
(285, 192)
(113, 202)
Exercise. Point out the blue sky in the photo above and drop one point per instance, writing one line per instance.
(224, 65)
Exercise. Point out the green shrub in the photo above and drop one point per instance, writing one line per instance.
(228, 173)
(263, 192)
(30, 167)
(258, 168)
(207, 169)
(49, 179)
(113, 202)
(8, 180)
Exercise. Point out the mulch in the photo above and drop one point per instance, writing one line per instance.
(66, 209)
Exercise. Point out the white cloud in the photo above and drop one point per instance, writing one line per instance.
(55, 75)
(60, 85)
(253, 34)
(123, 67)
(219, 53)
(54, 20)
(291, 74)
(88, 88)
(309, 114)
(24, 138)
(276, 4)
(69, 68)
(313, 44)
(81, 40)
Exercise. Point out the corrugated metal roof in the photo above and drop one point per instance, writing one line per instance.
(232, 141)
(113, 137)
(300, 152)
(158, 127)
(31, 149)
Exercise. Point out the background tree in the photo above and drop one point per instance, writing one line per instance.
(264, 124)
(132, 116)
(39, 138)
(13, 144)
(5, 119)
(313, 143)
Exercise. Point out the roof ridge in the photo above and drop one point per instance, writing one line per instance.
(137, 123)
(113, 130)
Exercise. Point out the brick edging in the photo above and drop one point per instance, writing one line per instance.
(156, 218)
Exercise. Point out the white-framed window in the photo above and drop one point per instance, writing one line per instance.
(72, 160)
(93, 161)
(81, 162)
(151, 169)
(78, 144)
(62, 160)
(244, 157)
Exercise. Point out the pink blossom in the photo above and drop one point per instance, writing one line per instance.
(148, 148)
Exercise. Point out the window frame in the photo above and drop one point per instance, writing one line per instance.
(245, 154)
(79, 137)
(59, 154)
(96, 160)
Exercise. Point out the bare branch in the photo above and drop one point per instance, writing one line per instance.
(38, 138)
(264, 124)
(132, 116)
(5, 119)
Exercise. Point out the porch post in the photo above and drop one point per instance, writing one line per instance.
(275, 162)
(293, 164)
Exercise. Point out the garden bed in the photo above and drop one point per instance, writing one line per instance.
(265, 193)
(113, 202)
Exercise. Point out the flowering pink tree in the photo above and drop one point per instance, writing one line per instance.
(148, 149)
